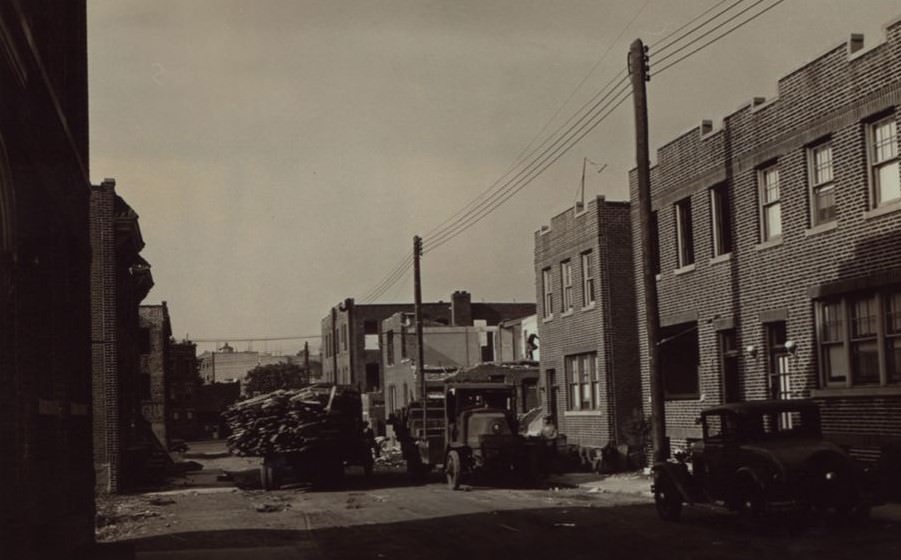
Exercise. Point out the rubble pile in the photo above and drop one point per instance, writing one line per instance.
(286, 420)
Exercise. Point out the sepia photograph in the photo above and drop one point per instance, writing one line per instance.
(444, 279)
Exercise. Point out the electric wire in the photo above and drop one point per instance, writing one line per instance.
(699, 26)
(717, 38)
(397, 276)
(384, 280)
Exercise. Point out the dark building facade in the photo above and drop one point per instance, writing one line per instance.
(590, 378)
(46, 464)
(779, 252)
(184, 384)
(155, 340)
(351, 352)
(120, 279)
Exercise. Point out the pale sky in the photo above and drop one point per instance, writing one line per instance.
(282, 154)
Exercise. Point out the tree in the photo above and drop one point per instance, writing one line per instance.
(270, 377)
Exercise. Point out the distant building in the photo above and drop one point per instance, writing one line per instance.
(446, 349)
(588, 324)
(227, 364)
(120, 279)
(212, 399)
(351, 335)
(517, 339)
(46, 435)
(184, 384)
(156, 332)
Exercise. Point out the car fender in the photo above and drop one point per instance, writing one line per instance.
(677, 474)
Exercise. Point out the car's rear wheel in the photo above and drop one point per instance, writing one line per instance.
(667, 500)
(453, 470)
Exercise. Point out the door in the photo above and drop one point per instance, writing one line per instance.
(552, 393)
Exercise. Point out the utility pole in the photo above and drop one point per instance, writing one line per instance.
(306, 360)
(638, 69)
(420, 352)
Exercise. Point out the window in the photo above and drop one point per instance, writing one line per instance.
(389, 348)
(679, 361)
(859, 339)
(770, 207)
(344, 336)
(566, 278)
(864, 345)
(548, 290)
(587, 279)
(883, 140)
(144, 340)
(403, 342)
(822, 187)
(655, 242)
(720, 220)
(584, 385)
(684, 238)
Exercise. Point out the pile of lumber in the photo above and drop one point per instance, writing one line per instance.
(285, 421)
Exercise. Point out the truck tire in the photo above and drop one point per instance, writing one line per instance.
(667, 499)
(453, 469)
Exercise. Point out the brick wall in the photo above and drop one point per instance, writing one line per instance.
(607, 327)
(46, 498)
(831, 98)
(155, 364)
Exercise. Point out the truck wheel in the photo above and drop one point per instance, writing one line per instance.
(751, 503)
(453, 469)
(667, 500)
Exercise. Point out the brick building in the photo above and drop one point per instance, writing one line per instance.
(120, 279)
(155, 342)
(183, 386)
(351, 353)
(46, 464)
(587, 322)
(780, 250)
(446, 349)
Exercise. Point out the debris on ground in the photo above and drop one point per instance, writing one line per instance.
(161, 501)
(270, 508)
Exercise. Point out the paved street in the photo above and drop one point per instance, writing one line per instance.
(389, 518)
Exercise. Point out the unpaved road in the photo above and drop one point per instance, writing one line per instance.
(387, 517)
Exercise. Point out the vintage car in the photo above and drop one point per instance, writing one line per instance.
(758, 457)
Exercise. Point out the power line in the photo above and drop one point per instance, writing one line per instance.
(525, 153)
(547, 158)
(696, 18)
(369, 295)
(256, 339)
(718, 37)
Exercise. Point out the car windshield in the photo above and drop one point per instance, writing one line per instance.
(781, 424)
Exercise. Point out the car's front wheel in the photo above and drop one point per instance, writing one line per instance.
(667, 500)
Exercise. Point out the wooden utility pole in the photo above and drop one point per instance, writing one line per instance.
(306, 360)
(420, 351)
(638, 69)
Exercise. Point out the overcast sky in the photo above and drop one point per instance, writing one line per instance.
(283, 153)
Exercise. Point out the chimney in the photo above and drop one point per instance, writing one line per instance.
(855, 43)
(461, 309)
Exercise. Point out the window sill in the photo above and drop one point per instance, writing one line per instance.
(684, 270)
(567, 413)
(869, 391)
(774, 242)
(821, 228)
(725, 257)
(589, 307)
(567, 313)
(547, 319)
(888, 208)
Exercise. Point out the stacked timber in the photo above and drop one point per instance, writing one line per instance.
(289, 420)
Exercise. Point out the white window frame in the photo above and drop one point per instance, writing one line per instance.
(719, 227)
(883, 334)
(879, 159)
(821, 178)
(566, 281)
(548, 289)
(588, 285)
(684, 254)
(582, 379)
(764, 175)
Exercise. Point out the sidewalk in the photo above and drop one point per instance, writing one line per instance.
(639, 484)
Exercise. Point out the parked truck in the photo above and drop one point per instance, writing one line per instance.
(470, 431)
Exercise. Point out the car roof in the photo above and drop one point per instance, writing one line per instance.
(756, 407)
